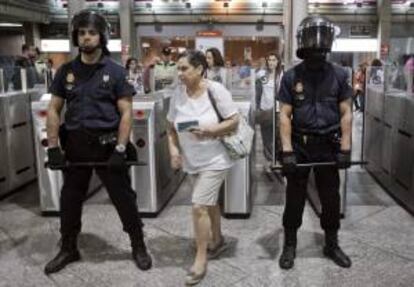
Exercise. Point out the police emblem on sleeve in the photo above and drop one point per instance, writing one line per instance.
(70, 80)
(299, 91)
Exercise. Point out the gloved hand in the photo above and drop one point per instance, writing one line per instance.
(117, 162)
(288, 162)
(343, 159)
(56, 158)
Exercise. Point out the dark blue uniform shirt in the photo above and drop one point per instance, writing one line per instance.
(315, 97)
(91, 93)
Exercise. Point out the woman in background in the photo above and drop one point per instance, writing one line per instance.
(135, 75)
(216, 71)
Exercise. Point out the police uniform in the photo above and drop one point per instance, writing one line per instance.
(313, 92)
(164, 74)
(314, 97)
(91, 93)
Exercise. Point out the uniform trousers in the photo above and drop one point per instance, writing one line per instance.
(84, 146)
(321, 149)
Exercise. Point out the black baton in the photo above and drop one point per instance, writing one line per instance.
(93, 164)
(315, 164)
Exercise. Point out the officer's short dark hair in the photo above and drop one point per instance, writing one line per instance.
(217, 58)
(196, 58)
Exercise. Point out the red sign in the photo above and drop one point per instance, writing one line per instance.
(208, 33)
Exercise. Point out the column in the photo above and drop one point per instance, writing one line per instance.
(384, 28)
(31, 34)
(74, 6)
(128, 31)
(294, 12)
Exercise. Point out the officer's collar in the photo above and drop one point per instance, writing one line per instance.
(102, 62)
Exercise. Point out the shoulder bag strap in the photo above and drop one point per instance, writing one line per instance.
(214, 104)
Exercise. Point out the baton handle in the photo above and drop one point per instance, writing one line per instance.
(314, 164)
(94, 164)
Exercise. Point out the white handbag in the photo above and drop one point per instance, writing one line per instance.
(238, 144)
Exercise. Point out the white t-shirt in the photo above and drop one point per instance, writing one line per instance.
(268, 95)
(217, 74)
(199, 155)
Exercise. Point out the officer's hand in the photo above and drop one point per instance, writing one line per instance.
(288, 162)
(56, 158)
(117, 162)
(343, 159)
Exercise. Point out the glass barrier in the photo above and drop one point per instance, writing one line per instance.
(2, 85)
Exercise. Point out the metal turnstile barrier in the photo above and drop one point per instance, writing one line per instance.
(156, 182)
(238, 186)
(16, 140)
(50, 181)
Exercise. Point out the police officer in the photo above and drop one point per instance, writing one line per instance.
(98, 108)
(165, 71)
(316, 122)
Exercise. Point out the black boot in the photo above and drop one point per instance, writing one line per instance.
(287, 258)
(139, 251)
(333, 251)
(68, 253)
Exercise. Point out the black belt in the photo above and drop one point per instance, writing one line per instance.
(315, 138)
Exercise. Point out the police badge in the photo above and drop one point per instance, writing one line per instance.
(299, 91)
(70, 80)
(105, 81)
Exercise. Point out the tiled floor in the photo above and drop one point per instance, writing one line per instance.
(376, 233)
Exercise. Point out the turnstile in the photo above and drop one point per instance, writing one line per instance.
(16, 139)
(238, 186)
(156, 182)
(50, 181)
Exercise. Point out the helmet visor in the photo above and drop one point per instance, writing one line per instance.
(316, 37)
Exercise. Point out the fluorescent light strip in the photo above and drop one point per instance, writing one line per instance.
(53, 45)
(11, 25)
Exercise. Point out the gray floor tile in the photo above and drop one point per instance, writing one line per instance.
(391, 229)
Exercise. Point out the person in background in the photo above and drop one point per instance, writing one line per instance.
(260, 71)
(376, 76)
(359, 87)
(267, 88)
(26, 61)
(194, 143)
(135, 75)
(165, 71)
(50, 73)
(216, 71)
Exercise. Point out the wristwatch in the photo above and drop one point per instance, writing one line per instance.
(120, 148)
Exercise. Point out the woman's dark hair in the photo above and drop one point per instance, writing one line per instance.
(128, 62)
(279, 62)
(376, 63)
(218, 60)
(196, 58)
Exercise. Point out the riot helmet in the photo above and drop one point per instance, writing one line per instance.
(315, 34)
(86, 18)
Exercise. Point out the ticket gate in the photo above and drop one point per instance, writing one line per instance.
(156, 182)
(16, 139)
(50, 181)
(238, 186)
